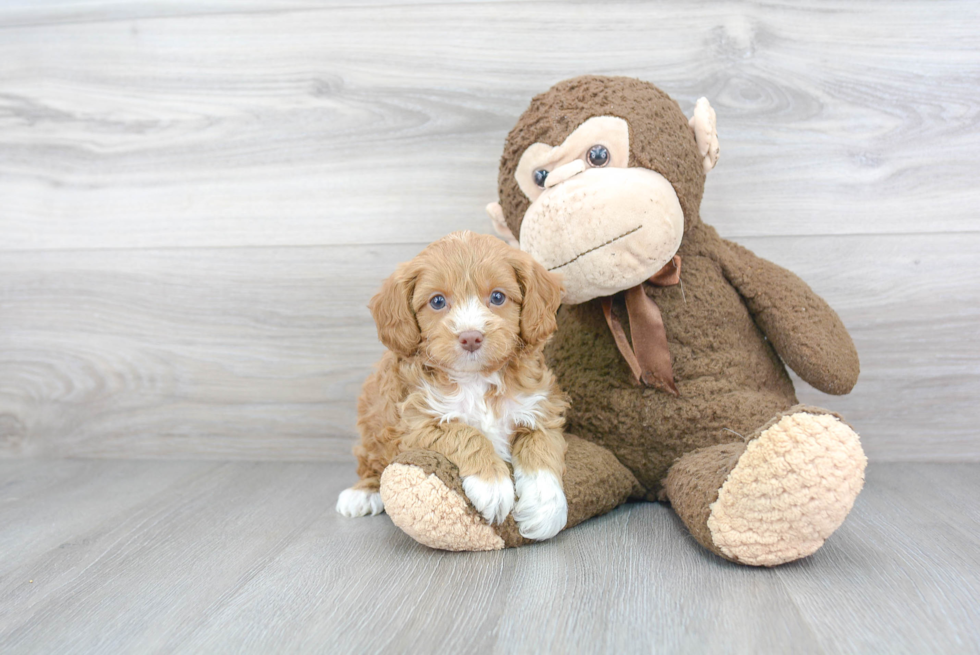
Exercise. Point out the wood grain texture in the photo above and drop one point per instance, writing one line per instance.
(198, 198)
(23, 13)
(260, 353)
(36, 518)
(891, 550)
(384, 124)
(251, 558)
(230, 352)
(912, 305)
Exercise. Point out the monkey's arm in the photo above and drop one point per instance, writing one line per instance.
(806, 333)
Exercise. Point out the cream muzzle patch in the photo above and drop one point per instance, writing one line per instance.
(603, 226)
(604, 230)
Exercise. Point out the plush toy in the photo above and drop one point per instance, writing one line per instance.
(671, 342)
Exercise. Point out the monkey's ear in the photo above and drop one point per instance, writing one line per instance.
(704, 126)
(496, 213)
(542, 296)
(391, 308)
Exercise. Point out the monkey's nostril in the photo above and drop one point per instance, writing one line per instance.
(471, 340)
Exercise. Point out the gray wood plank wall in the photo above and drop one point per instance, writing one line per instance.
(198, 198)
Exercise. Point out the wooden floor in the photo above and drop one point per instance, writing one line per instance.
(206, 557)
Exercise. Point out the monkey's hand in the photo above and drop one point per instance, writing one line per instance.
(806, 333)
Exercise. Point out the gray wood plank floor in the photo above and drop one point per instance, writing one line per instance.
(192, 557)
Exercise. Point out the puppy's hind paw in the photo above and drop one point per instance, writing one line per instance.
(493, 499)
(357, 502)
(542, 509)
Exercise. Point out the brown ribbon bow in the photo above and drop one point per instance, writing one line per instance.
(649, 357)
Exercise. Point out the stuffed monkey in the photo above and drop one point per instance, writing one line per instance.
(671, 345)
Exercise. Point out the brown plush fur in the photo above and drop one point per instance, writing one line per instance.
(730, 327)
(693, 484)
(659, 136)
(395, 408)
(755, 477)
(594, 481)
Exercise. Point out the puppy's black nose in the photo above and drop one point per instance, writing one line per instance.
(471, 340)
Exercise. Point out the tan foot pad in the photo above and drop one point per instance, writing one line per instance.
(431, 513)
(791, 488)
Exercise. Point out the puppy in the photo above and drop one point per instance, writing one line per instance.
(465, 323)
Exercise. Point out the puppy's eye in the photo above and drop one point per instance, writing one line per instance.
(598, 156)
(497, 298)
(540, 176)
(437, 302)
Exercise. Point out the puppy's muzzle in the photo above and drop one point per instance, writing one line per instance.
(471, 340)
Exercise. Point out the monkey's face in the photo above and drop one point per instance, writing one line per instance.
(604, 226)
(599, 180)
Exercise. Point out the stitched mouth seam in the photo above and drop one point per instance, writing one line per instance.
(601, 245)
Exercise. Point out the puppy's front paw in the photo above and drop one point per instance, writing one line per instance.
(542, 510)
(494, 499)
(357, 502)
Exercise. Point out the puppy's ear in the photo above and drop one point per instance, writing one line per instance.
(391, 308)
(542, 296)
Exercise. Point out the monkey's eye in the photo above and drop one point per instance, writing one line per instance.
(540, 176)
(497, 298)
(437, 302)
(598, 156)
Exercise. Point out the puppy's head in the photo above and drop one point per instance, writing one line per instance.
(468, 303)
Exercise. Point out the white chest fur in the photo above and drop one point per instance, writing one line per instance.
(473, 404)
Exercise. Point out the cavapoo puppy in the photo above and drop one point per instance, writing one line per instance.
(465, 323)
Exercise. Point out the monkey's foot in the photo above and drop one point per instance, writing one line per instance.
(424, 496)
(780, 495)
